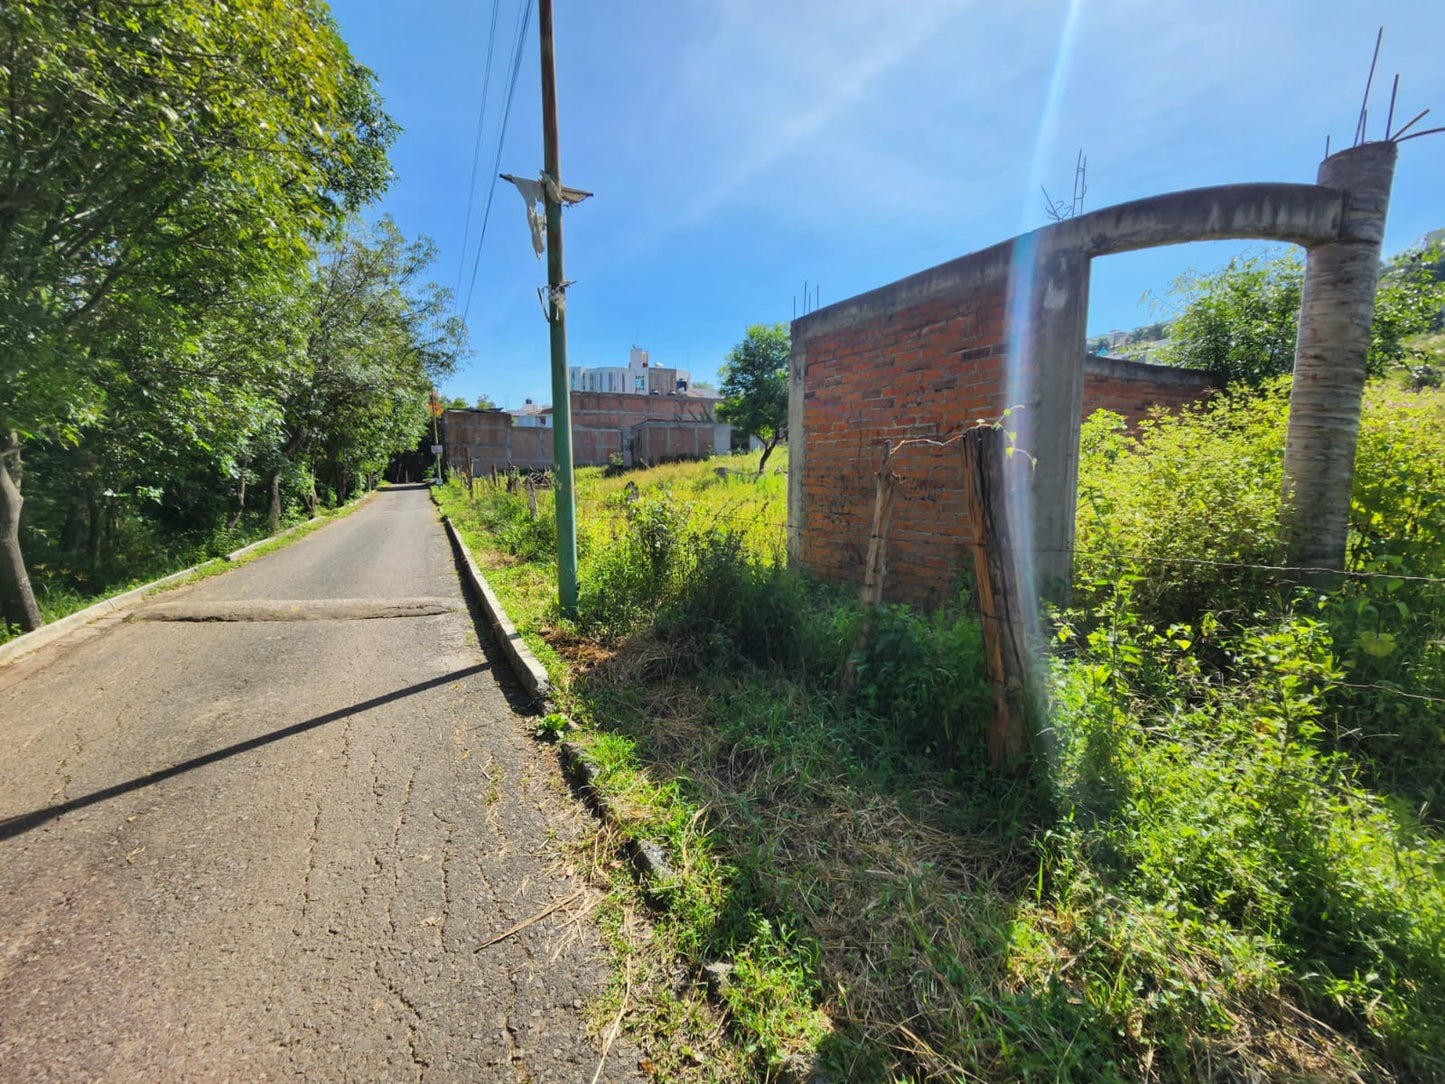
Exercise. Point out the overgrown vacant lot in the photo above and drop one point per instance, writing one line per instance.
(1225, 862)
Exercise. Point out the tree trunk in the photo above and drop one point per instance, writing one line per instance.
(276, 501)
(768, 446)
(240, 502)
(1329, 366)
(74, 529)
(97, 524)
(16, 596)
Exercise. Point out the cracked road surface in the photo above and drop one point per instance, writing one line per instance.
(259, 835)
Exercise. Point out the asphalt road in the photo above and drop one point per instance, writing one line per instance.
(256, 830)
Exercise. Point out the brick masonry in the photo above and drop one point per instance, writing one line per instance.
(1134, 388)
(925, 370)
(650, 427)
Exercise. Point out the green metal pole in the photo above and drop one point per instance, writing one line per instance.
(557, 318)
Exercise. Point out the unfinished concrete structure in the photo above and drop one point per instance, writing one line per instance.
(927, 356)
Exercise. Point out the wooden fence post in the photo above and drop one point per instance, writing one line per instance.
(885, 496)
(1000, 601)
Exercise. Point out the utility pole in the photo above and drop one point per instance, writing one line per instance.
(435, 408)
(557, 319)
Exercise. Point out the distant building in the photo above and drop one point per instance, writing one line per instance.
(638, 377)
(606, 427)
(532, 416)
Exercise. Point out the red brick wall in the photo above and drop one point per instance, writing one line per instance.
(656, 441)
(929, 370)
(1133, 388)
(603, 424)
(612, 410)
(591, 447)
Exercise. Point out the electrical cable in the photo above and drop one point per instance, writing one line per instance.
(477, 149)
(501, 142)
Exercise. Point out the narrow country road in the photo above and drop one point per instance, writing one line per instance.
(258, 829)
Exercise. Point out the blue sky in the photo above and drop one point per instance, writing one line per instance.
(739, 148)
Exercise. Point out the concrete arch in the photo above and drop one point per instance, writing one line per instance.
(930, 353)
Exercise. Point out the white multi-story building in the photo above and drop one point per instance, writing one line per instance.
(639, 377)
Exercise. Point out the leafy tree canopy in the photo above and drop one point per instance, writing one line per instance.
(1242, 320)
(157, 153)
(159, 159)
(755, 385)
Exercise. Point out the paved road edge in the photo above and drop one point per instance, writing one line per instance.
(529, 671)
(47, 634)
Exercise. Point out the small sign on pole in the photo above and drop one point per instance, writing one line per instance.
(436, 449)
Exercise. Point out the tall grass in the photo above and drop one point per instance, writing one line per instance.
(1196, 881)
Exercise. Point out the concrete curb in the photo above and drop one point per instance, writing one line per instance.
(31, 641)
(529, 671)
(46, 634)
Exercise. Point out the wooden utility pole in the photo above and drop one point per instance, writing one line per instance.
(557, 319)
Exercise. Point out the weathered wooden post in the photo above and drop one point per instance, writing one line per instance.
(1000, 599)
(876, 567)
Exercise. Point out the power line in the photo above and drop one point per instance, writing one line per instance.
(477, 149)
(501, 141)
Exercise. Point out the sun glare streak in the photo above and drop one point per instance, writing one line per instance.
(1020, 360)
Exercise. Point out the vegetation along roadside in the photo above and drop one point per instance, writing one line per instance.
(1226, 863)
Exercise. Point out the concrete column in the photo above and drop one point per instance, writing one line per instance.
(797, 447)
(1052, 357)
(1329, 365)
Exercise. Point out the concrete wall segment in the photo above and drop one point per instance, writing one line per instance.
(935, 352)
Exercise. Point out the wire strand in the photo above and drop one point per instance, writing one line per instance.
(501, 142)
(1260, 567)
(477, 149)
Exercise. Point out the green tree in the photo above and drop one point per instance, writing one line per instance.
(378, 337)
(1242, 320)
(154, 156)
(755, 386)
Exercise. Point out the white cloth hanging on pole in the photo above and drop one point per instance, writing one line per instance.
(534, 195)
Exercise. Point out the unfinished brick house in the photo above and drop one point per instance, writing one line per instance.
(1004, 329)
